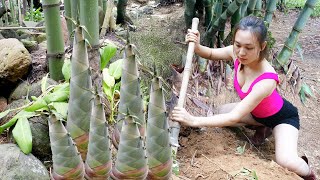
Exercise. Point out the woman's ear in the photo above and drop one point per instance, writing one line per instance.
(263, 46)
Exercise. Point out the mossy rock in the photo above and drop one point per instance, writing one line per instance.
(25, 89)
(30, 45)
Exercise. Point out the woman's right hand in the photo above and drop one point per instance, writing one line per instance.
(193, 36)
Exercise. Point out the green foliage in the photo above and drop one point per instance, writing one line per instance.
(106, 53)
(247, 172)
(293, 4)
(35, 16)
(53, 100)
(305, 92)
(22, 135)
(241, 149)
(111, 77)
(66, 69)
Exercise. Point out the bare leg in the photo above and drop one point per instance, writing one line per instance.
(247, 120)
(286, 139)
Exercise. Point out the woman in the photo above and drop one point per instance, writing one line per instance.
(255, 82)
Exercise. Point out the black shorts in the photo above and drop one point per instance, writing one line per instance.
(288, 114)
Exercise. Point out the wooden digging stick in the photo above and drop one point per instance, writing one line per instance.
(175, 127)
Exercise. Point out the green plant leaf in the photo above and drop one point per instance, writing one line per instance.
(107, 78)
(4, 113)
(254, 175)
(306, 89)
(62, 87)
(44, 83)
(66, 69)
(57, 96)
(36, 105)
(12, 121)
(115, 68)
(107, 90)
(106, 53)
(22, 135)
(60, 109)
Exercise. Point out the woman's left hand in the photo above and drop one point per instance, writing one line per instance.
(182, 116)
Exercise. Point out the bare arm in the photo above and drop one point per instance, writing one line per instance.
(225, 53)
(261, 90)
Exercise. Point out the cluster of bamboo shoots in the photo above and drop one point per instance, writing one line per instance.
(82, 149)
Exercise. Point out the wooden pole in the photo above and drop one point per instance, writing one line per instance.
(175, 127)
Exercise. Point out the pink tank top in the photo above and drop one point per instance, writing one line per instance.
(269, 105)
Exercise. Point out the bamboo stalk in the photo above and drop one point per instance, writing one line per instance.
(291, 42)
(189, 12)
(14, 28)
(121, 11)
(68, 14)
(55, 42)
(175, 127)
(251, 6)
(89, 17)
(271, 7)
(244, 7)
(257, 11)
(232, 8)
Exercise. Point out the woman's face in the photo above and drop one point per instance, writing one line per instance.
(246, 47)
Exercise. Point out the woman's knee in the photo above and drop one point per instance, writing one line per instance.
(287, 161)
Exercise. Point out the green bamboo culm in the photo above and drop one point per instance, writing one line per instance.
(208, 11)
(244, 7)
(75, 10)
(80, 100)
(131, 97)
(222, 27)
(67, 162)
(55, 42)
(189, 12)
(157, 139)
(251, 6)
(232, 8)
(131, 162)
(98, 163)
(68, 14)
(257, 11)
(271, 7)
(104, 5)
(291, 42)
(89, 17)
(121, 11)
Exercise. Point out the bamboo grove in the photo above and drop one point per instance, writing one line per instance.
(81, 146)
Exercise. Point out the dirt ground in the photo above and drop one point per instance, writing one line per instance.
(224, 153)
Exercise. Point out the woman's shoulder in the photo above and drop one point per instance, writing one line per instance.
(267, 67)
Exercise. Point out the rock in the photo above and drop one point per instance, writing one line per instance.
(3, 104)
(12, 105)
(24, 89)
(9, 33)
(20, 92)
(16, 165)
(41, 37)
(40, 137)
(30, 45)
(15, 60)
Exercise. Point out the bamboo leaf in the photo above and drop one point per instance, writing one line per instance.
(306, 89)
(106, 54)
(60, 109)
(21, 114)
(107, 90)
(107, 78)
(66, 69)
(38, 104)
(57, 96)
(115, 68)
(44, 83)
(4, 113)
(22, 135)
